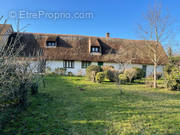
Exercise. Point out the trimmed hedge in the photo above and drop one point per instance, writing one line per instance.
(140, 73)
(112, 75)
(123, 78)
(91, 72)
(131, 74)
(100, 77)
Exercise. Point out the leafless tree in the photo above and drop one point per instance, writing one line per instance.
(16, 75)
(156, 30)
(124, 55)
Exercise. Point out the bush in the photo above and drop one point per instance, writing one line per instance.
(91, 71)
(173, 79)
(70, 74)
(100, 77)
(158, 76)
(92, 76)
(34, 88)
(60, 71)
(149, 82)
(140, 73)
(48, 70)
(105, 68)
(112, 75)
(123, 78)
(131, 74)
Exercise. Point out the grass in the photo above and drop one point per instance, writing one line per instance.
(98, 109)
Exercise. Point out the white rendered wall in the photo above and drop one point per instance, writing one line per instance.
(33, 65)
(150, 69)
(118, 66)
(77, 70)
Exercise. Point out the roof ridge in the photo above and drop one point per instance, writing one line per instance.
(53, 34)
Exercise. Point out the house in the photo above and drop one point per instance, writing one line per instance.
(77, 52)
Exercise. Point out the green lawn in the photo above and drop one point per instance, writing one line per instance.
(99, 109)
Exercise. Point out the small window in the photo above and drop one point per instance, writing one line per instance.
(68, 64)
(85, 64)
(95, 49)
(50, 43)
(144, 67)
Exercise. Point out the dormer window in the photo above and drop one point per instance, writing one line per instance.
(95, 49)
(50, 43)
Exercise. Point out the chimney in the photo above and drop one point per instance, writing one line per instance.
(107, 34)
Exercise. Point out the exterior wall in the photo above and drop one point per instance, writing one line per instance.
(33, 65)
(150, 69)
(120, 67)
(77, 70)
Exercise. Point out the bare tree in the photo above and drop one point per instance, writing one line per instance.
(156, 30)
(124, 55)
(16, 75)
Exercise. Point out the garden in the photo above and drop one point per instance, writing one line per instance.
(73, 105)
(106, 101)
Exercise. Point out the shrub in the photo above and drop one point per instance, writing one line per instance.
(130, 74)
(100, 77)
(70, 74)
(158, 76)
(91, 71)
(80, 73)
(112, 75)
(149, 82)
(173, 79)
(34, 88)
(140, 73)
(92, 76)
(123, 78)
(105, 68)
(60, 71)
(48, 70)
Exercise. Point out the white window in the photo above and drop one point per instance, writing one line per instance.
(50, 43)
(68, 64)
(95, 49)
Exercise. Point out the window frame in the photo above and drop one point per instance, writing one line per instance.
(85, 64)
(95, 49)
(51, 43)
(68, 64)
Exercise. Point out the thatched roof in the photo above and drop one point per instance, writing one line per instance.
(4, 28)
(76, 47)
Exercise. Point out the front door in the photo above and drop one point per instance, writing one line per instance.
(100, 63)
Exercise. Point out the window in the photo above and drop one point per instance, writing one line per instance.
(85, 64)
(50, 43)
(68, 64)
(144, 67)
(95, 49)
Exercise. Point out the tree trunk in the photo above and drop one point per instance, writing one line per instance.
(155, 77)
